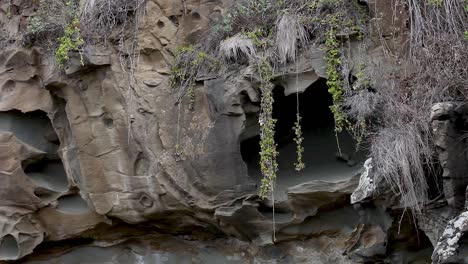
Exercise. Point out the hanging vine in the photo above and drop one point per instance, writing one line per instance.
(268, 152)
(334, 81)
(299, 164)
(189, 62)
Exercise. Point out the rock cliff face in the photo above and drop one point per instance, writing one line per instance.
(90, 173)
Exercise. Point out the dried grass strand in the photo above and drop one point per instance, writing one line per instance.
(235, 47)
(290, 34)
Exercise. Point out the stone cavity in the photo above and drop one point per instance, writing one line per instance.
(89, 171)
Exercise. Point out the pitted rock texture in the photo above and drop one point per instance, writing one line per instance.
(89, 166)
(20, 78)
(20, 231)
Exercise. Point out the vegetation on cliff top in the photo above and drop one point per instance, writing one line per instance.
(62, 26)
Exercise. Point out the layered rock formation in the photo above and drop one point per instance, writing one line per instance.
(89, 165)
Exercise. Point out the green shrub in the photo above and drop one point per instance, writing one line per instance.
(70, 41)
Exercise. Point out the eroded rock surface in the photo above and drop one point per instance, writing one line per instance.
(89, 164)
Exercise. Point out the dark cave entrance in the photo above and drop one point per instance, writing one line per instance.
(320, 154)
(35, 129)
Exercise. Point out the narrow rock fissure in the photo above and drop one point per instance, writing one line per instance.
(405, 238)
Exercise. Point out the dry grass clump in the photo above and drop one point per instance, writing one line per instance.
(401, 146)
(278, 30)
(234, 47)
(243, 16)
(432, 23)
(397, 116)
(362, 105)
(399, 154)
(48, 23)
(290, 32)
(100, 18)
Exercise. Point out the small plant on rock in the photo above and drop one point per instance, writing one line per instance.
(70, 41)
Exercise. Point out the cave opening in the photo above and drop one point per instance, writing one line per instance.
(321, 158)
(72, 204)
(9, 248)
(35, 129)
(49, 174)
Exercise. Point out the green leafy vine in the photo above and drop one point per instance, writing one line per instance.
(268, 152)
(299, 164)
(189, 61)
(334, 79)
